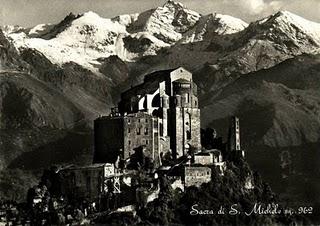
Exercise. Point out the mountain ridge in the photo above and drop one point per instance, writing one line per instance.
(217, 48)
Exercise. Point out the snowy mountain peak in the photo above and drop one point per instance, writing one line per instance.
(168, 22)
(288, 17)
(293, 25)
(39, 30)
(229, 24)
(284, 13)
(213, 24)
(173, 4)
(126, 19)
(91, 27)
(7, 29)
(89, 17)
(90, 14)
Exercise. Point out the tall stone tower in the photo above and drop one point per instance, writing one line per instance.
(234, 136)
(185, 117)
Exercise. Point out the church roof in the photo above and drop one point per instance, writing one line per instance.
(182, 80)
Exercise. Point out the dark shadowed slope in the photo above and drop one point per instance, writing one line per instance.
(279, 109)
(278, 106)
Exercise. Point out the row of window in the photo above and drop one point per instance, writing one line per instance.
(187, 100)
(145, 141)
(138, 131)
(139, 120)
(202, 174)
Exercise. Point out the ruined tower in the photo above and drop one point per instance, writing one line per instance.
(234, 136)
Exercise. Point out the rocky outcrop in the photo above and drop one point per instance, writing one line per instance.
(9, 57)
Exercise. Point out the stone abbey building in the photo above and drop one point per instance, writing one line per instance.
(158, 119)
(161, 115)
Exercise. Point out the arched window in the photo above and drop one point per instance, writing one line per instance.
(188, 135)
(156, 101)
(187, 125)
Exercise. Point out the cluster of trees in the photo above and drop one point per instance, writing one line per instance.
(174, 207)
(14, 183)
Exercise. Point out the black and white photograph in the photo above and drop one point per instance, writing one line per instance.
(159, 112)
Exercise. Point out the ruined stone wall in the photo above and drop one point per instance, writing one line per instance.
(196, 175)
(83, 182)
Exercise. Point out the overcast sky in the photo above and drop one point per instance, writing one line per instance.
(31, 12)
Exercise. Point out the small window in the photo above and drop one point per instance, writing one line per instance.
(139, 120)
(129, 130)
(129, 142)
(146, 131)
(147, 141)
(188, 135)
(138, 131)
(161, 129)
(129, 120)
(146, 120)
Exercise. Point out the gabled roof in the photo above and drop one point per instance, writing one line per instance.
(160, 73)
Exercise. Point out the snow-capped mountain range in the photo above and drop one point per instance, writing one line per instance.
(85, 38)
(86, 48)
